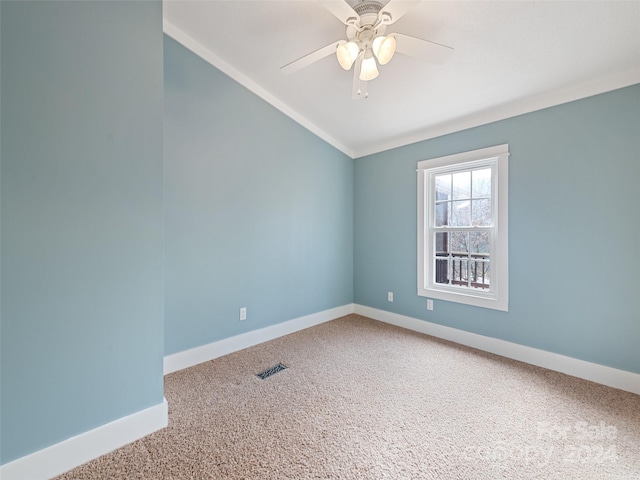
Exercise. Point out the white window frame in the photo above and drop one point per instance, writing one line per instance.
(498, 295)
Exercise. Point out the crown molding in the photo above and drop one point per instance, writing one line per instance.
(495, 114)
(210, 57)
(512, 109)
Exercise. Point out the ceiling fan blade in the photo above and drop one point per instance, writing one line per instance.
(422, 49)
(359, 90)
(310, 58)
(397, 8)
(341, 9)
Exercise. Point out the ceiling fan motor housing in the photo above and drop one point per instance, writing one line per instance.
(368, 25)
(367, 7)
(368, 12)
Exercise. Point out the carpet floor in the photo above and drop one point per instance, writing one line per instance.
(362, 399)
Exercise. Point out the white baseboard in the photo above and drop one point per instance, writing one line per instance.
(594, 372)
(64, 456)
(204, 353)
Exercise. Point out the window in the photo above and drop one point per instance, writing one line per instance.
(463, 249)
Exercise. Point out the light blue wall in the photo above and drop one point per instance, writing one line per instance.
(574, 230)
(82, 272)
(258, 211)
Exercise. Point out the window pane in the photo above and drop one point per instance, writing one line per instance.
(460, 274)
(481, 183)
(459, 243)
(480, 243)
(487, 273)
(443, 187)
(455, 272)
(480, 274)
(461, 213)
(461, 185)
(442, 270)
(464, 271)
(442, 245)
(442, 214)
(481, 213)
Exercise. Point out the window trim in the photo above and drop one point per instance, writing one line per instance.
(497, 157)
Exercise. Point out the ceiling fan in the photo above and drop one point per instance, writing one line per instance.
(366, 42)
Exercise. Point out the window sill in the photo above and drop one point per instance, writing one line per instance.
(493, 303)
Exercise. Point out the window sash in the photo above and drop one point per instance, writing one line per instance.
(432, 228)
(473, 258)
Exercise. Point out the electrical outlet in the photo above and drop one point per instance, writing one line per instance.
(390, 296)
(429, 304)
(243, 313)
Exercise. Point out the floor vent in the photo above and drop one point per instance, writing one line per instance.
(270, 371)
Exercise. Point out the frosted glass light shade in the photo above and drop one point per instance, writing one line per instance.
(369, 69)
(384, 48)
(347, 54)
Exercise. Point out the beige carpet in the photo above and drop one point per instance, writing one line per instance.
(361, 399)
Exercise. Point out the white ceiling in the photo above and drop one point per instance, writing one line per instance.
(510, 58)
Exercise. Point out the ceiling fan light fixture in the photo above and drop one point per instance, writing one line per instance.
(384, 48)
(347, 53)
(369, 69)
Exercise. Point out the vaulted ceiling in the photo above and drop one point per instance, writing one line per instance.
(509, 58)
